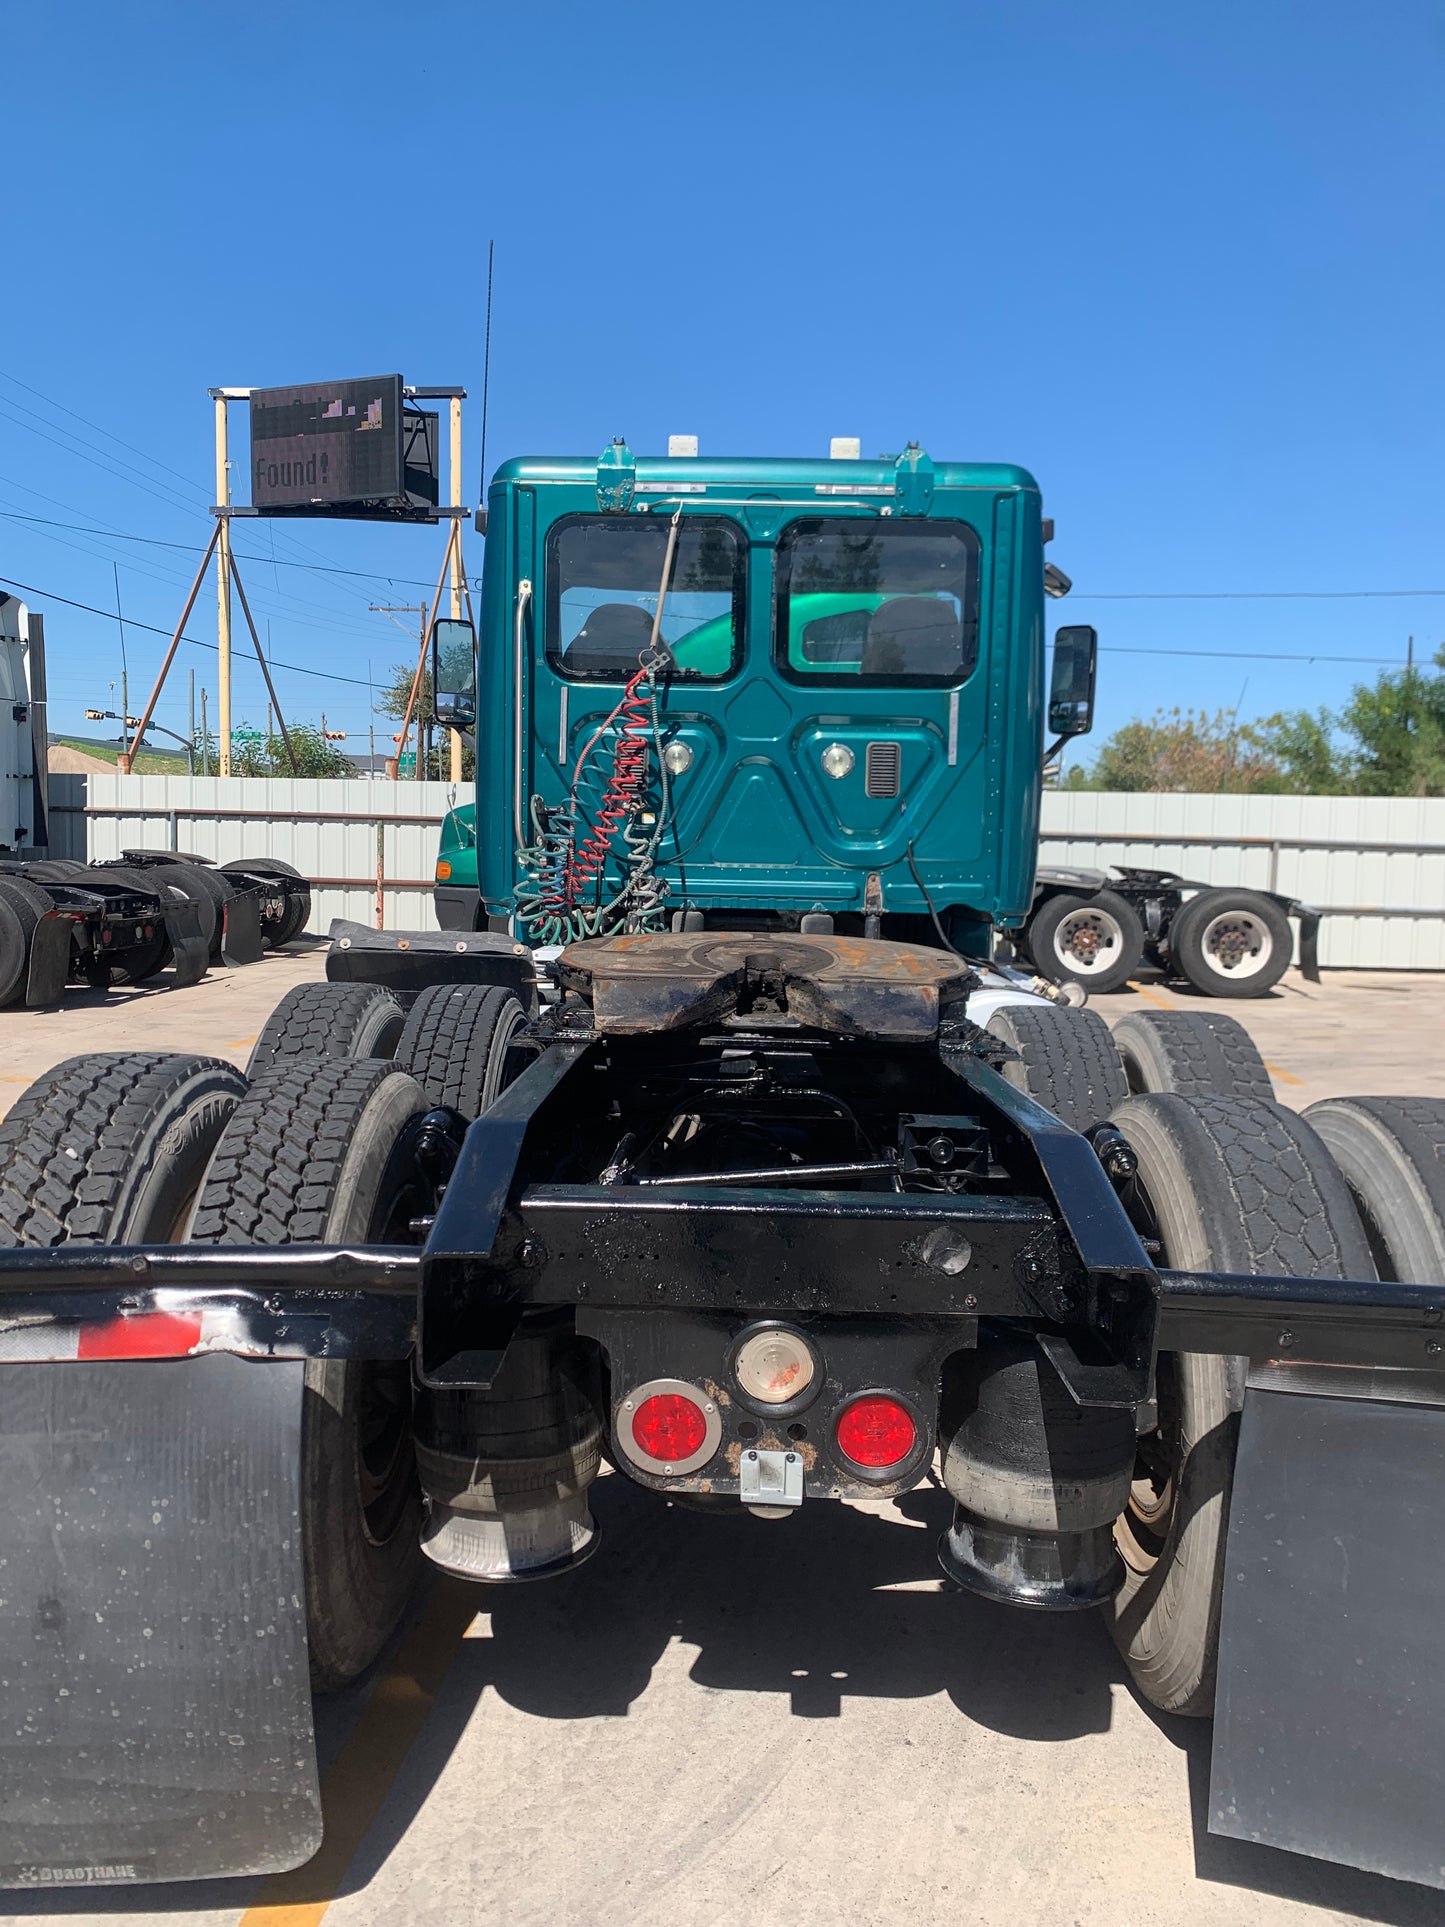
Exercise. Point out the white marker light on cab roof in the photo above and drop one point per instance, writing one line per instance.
(845, 448)
(682, 445)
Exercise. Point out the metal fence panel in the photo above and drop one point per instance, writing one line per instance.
(1376, 862)
(65, 817)
(353, 838)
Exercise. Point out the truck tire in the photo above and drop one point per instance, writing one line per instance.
(457, 1041)
(1066, 1060)
(316, 1154)
(1231, 943)
(298, 904)
(1228, 1184)
(329, 1020)
(1096, 941)
(1391, 1153)
(111, 1148)
(22, 905)
(1194, 1053)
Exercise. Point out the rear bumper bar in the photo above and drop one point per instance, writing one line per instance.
(344, 1301)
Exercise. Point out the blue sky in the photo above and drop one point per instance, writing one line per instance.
(1185, 264)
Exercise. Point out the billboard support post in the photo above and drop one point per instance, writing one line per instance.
(223, 590)
(455, 467)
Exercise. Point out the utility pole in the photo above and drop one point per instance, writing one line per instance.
(205, 748)
(191, 759)
(223, 589)
(394, 611)
(455, 466)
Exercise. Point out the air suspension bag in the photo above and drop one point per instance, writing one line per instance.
(1038, 1479)
(506, 1471)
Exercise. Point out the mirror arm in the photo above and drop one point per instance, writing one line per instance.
(1054, 747)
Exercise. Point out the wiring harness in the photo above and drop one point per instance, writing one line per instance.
(567, 891)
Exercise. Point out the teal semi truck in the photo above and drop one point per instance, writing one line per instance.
(705, 1141)
(848, 684)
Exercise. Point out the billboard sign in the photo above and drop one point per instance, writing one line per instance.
(339, 448)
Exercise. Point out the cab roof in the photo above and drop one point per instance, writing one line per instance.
(763, 471)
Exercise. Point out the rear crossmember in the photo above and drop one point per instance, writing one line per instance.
(505, 1242)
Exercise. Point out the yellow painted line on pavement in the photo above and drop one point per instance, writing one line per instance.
(361, 1775)
(1153, 996)
(237, 1042)
(1284, 1076)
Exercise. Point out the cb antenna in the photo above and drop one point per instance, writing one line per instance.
(486, 383)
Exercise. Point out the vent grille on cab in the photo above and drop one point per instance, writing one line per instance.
(882, 768)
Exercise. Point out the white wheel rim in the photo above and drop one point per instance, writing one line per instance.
(1237, 944)
(1088, 942)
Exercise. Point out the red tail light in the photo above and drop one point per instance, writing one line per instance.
(876, 1431)
(668, 1427)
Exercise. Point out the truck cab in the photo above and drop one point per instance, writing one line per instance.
(844, 718)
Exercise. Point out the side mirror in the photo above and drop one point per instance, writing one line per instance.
(1071, 687)
(454, 673)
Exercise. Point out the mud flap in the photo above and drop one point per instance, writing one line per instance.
(1329, 1729)
(49, 970)
(190, 953)
(157, 1708)
(241, 928)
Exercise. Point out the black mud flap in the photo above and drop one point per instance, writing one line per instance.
(241, 928)
(190, 953)
(1329, 1727)
(152, 1637)
(1309, 944)
(412, 960)
(49, 960)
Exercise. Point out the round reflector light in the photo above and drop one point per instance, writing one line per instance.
(774, 1366)
(669, 1427)
(876, 1431)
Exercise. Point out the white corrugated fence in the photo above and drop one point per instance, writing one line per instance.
(1376, 863)
(361, 844)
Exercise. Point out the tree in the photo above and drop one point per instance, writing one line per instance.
(392, 697)
(1184, 749)
(1388, 740)
(257, 755)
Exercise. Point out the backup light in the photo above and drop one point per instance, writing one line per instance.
(876, 1431)
(774, 1367)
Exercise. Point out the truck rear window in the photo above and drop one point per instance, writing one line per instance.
(883, 603)
(603, 577)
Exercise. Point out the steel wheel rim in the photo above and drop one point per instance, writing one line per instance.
(1102, 938)
(1237, 943)
(1142, 1529)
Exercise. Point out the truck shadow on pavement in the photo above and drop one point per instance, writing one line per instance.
(836, 1602)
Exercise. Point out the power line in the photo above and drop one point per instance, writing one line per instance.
(1246, 655)
(29, 588)
(1242, 595)
(195, 548)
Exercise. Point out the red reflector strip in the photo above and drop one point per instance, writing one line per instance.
(147, 1334)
